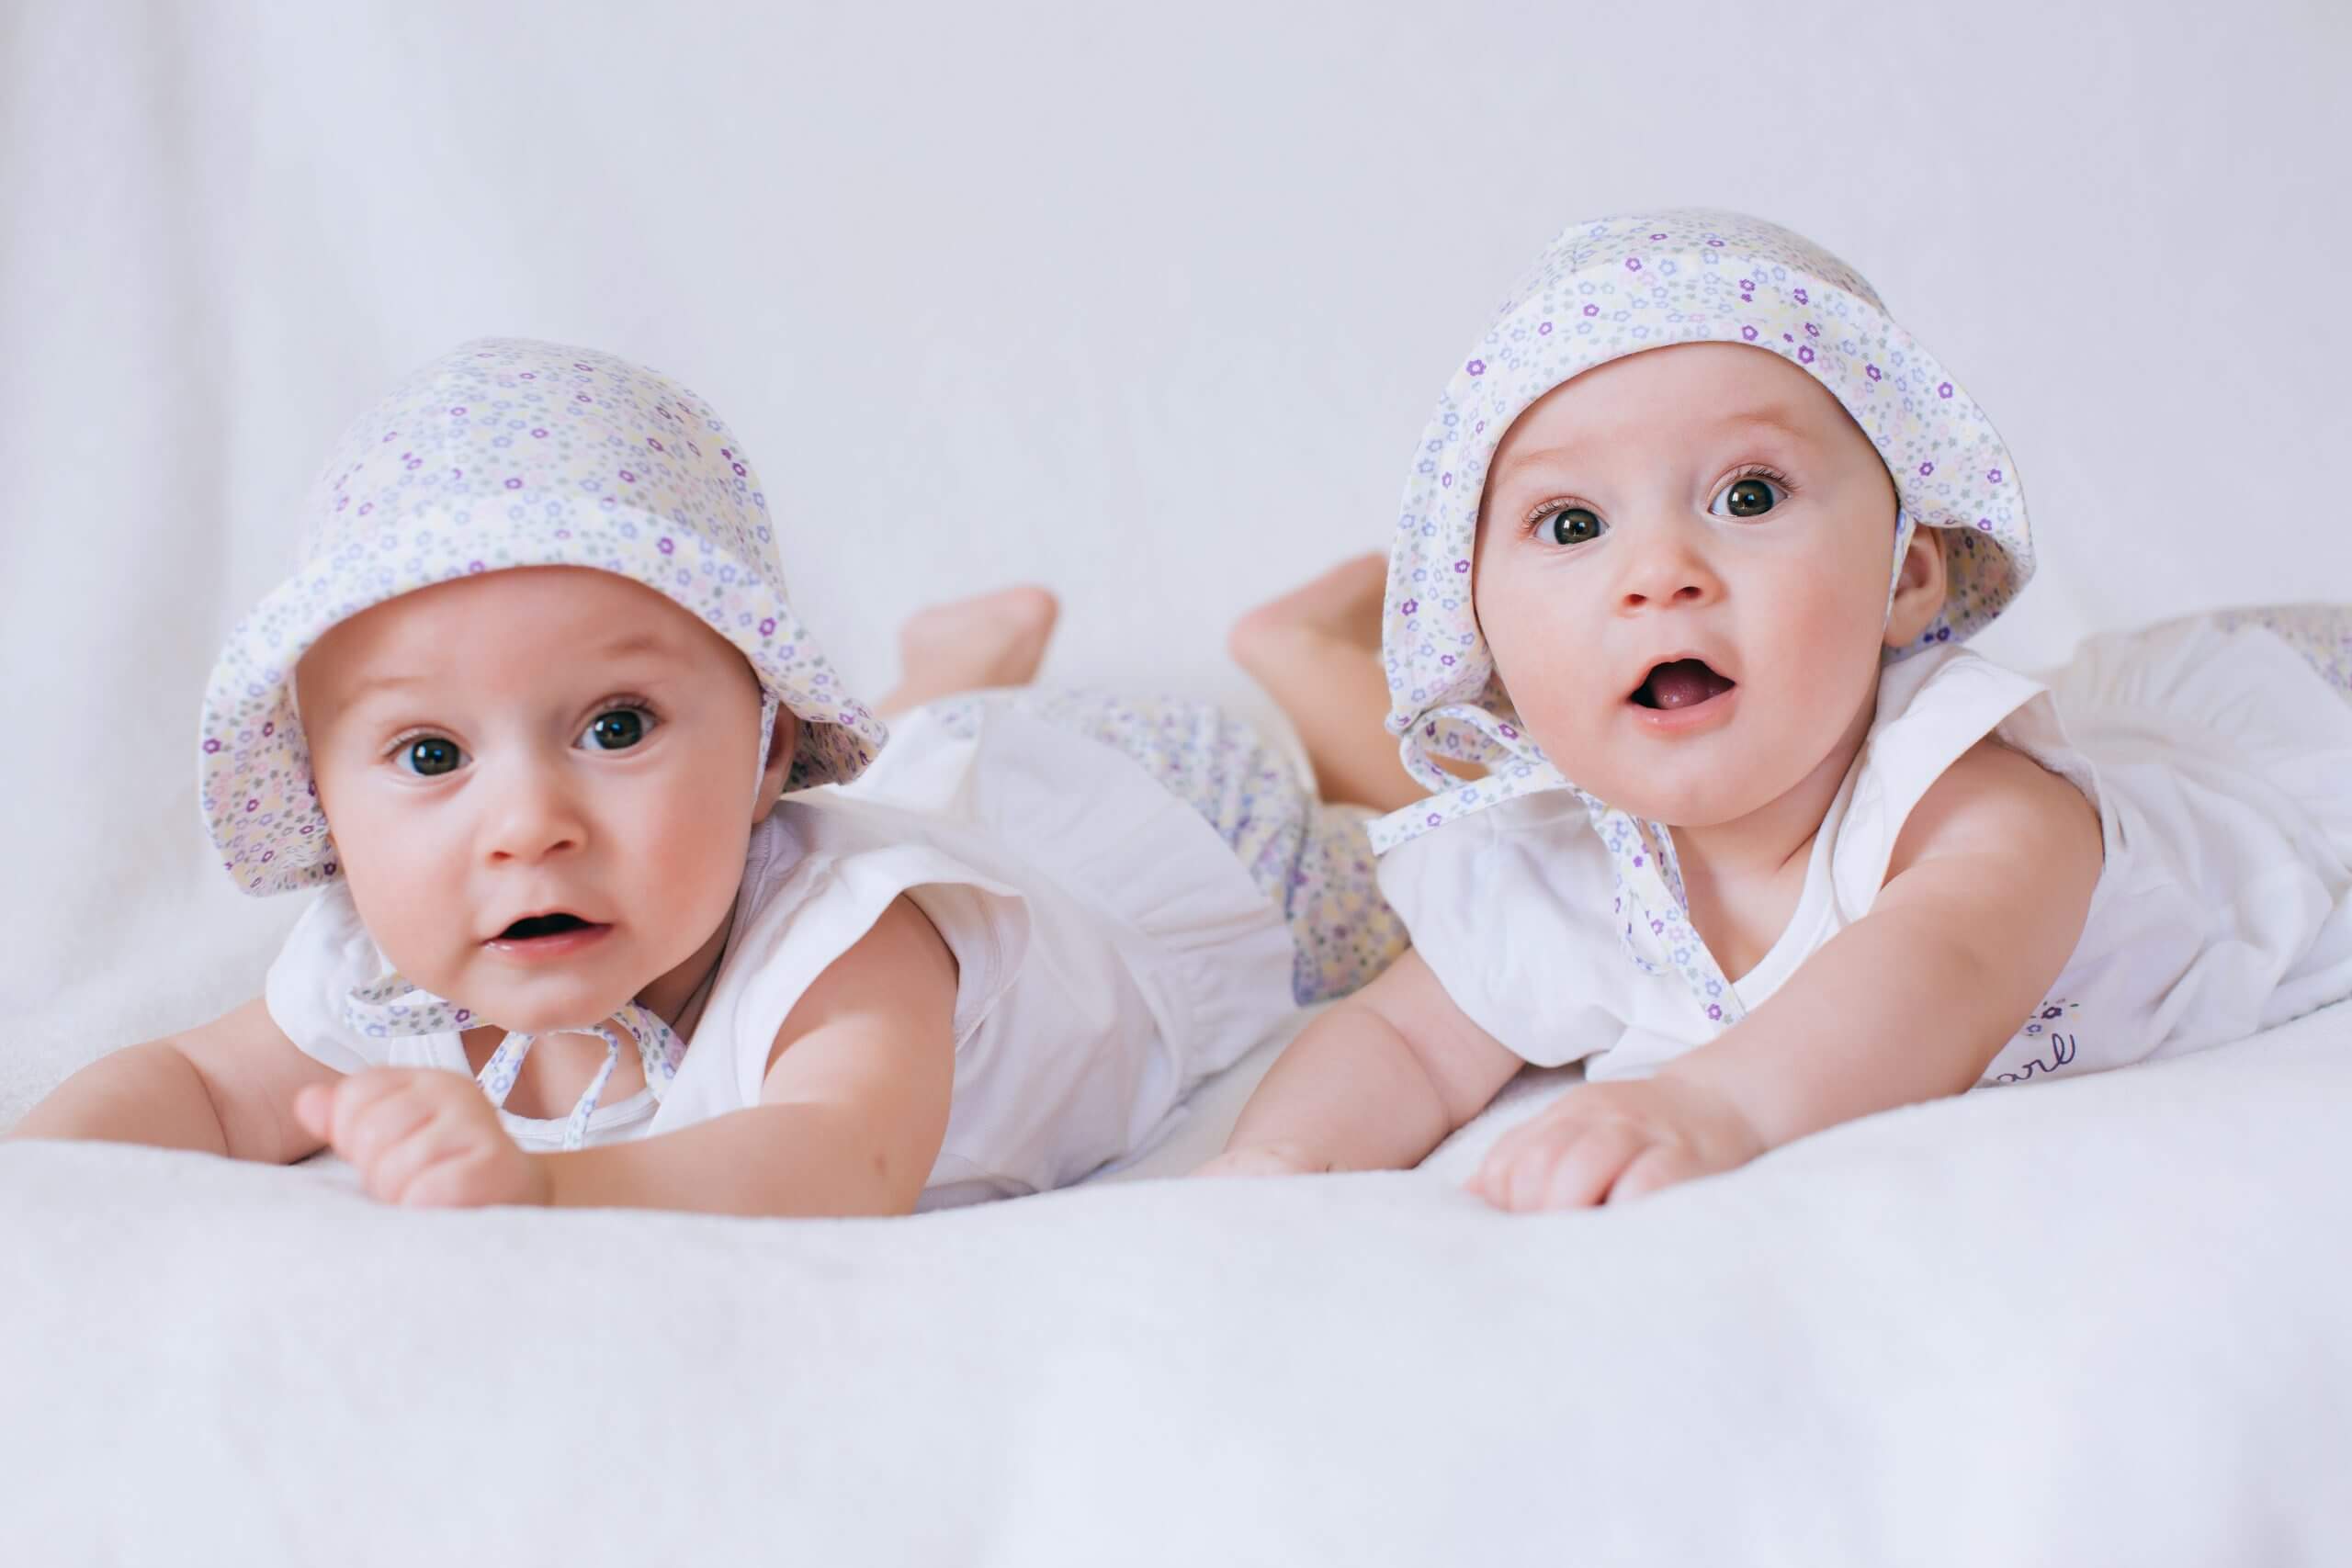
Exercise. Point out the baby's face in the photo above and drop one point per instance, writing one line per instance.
(540, 786)
(1681, 571)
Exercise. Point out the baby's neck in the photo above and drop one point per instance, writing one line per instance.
(1744, 877)
(677, 996)
(561, 1066)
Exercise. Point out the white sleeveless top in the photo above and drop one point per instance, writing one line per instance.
(1111, 950)
(2221, 766)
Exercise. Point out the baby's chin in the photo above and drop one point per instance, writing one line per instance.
(538, 1008)
(1707, 801)
(1692, 810)
(558, 1020)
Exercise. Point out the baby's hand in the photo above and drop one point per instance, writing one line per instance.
(1272, 1160)
(422, 1137)
(1606, 1143)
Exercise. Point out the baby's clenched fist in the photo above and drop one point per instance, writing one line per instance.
(422, 1137)
(1606, 1143)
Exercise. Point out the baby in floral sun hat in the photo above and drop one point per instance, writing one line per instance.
(621, 899)
(1717, 802)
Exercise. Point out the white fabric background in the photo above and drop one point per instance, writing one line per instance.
(1147, 303)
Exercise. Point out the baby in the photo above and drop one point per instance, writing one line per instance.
(523, 719)
(1686, 564)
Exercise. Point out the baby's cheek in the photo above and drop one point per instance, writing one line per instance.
(1834, 641)
(694, 855)
(1561, 722)
(410, 911)
(1546, 639)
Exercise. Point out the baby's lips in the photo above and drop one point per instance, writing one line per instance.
(1684, 684)
(1681, 680)
(543, 922)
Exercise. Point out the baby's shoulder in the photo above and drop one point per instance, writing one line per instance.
(1996, 800)
(897, 972)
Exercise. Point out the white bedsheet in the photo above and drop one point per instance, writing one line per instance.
(2092, 1321)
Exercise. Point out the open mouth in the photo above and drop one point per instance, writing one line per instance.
(536, 926)
(1682, 684)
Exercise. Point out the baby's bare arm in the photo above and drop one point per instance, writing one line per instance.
(1375, 1084)
(226, 1087)
(1983, 905)
(1985, 900)
(852, 1110)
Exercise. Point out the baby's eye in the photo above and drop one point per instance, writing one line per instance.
(1570, 526)
(429, 757)
(1749, 497)
(616, 729)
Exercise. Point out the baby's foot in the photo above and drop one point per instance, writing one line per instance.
(969, 645)
(1342, 607)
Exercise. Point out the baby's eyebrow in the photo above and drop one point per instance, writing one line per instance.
(1773, 417)
(1770, 416)
(392, 683)
(630, 644)
(372, 684)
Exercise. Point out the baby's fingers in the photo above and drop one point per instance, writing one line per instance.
(1586, 1168)
(407, 1169)
(1529, 1141)
(371, 1119)
(325, 1111)
(1660, 1164)
(314, 1111)
(1556, 1164)
(461, 1178)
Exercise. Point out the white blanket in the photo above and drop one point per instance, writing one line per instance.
(2092, 1321)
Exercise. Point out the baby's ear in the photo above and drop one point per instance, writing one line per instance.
(1918, 589)
(784, 743)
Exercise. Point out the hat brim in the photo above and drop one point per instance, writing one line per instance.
(259, 800)
(1950, 467)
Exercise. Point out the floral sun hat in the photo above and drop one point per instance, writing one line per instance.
(1619, 285)
(508, 452)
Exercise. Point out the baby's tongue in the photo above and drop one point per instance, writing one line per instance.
(1684, 683)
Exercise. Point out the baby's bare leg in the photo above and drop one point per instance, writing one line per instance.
(970, 645)
(1316, 652)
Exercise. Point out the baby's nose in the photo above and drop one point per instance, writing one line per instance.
(1668, 569)
(534, 815)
